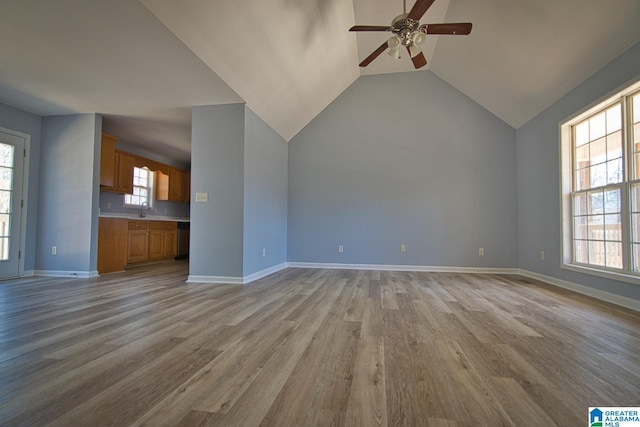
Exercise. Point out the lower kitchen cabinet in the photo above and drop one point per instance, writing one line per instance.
(112, 243)
(151, 240)
(124, 241)
(162, 239)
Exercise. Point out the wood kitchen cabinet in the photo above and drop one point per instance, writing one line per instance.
(124, 182)
(151, 240)
(137, 241)
(116, 167)
(174, 186)
(176, 183)
(108, 160)
(186, 187)
(112, 244)
(162, 239)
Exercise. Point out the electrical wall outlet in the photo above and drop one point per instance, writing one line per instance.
(264, 252)
(54, 250)
(542, 255)
(481, 251)
(403, 248)
(340, 248)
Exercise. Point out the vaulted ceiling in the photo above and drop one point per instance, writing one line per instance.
(143, 64)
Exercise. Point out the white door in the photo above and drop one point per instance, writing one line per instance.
(11, 183)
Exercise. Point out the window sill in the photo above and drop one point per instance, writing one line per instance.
(606, 274)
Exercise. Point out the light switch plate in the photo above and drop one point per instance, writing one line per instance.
(202, 197)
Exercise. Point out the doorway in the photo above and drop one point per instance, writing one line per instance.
(12, 167)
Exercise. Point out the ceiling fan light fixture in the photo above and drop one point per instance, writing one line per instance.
(418, 38)
(394, 53)
(414, 51)
(393, 43)
(394, 47)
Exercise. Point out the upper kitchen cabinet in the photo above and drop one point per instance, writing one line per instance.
(108, 160)
(116, 167)
(174, 186)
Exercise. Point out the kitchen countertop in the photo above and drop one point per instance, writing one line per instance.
(146, 218)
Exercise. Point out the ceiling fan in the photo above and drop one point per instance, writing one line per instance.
(408, 32)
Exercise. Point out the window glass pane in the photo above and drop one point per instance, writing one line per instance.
(614, 171)
(612, 201)
(598, 152)
(6, 176)
(596, 202)
(614, 145)
(582, 133)
(581, 251)
(635, 227)
(4, 248)
(636, 108)
(596, 253)
(580, 227)
(580, 203)
(596, 227)
(582, 156)
(613, 257)
(583, 179)
(6, 155)
(598, 175)
(636, 165)
(635, 198)
(597, 126)
(635, 257)
(614, 118)
(5, 201)
(5, 225)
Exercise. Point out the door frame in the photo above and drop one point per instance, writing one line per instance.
(24, 197)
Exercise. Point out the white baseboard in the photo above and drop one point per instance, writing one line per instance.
(218, 280)
(622, 301)
(60, 273)
(264, 273)
(237, 280)
(400, 267)
(28, 273)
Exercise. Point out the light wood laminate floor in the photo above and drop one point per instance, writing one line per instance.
(310, 347)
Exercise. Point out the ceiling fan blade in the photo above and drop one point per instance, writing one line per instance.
(461, 29)
(374, 54)
(419, 9)
(370, 28)
(419, 60)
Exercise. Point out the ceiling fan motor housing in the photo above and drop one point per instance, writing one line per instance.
(403, 27)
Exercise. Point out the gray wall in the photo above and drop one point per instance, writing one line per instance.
(538, 145)
(265, 196)
(217, 168)
(30, 124)
(69, 180)
(403, 159)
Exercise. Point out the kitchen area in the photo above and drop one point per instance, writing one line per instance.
(144, 210)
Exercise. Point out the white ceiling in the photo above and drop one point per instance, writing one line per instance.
(144, 63)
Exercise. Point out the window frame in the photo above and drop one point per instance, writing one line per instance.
(150, 190)
(568, 185)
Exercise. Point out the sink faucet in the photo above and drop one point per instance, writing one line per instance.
(141, 212)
